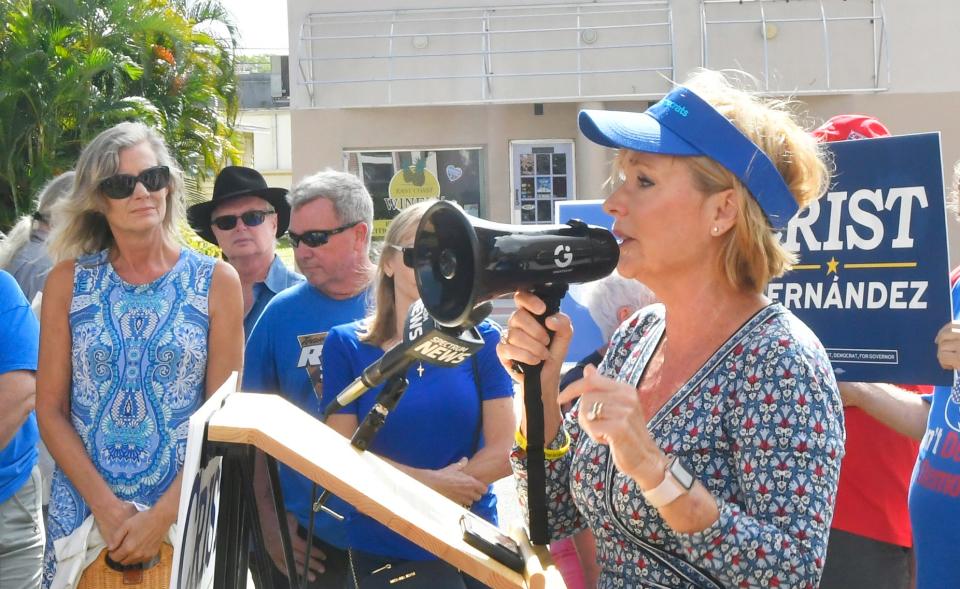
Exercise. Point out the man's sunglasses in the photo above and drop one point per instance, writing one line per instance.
(317, 237)
(249, 218)
(122, 185)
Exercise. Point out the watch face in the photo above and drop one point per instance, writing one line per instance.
(680, 473)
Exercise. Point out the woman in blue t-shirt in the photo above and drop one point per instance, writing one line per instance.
(453, 428)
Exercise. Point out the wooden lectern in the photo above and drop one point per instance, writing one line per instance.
(247, 422)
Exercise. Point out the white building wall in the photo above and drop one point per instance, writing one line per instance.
(268, 144)
(917, 72)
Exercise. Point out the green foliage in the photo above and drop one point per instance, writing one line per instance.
(253, 64)
(197, 243)
(72, 68)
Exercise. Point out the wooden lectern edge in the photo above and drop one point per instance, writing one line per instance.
(290, 435)
(540, 571)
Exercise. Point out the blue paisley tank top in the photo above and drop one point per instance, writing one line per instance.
(139, 357)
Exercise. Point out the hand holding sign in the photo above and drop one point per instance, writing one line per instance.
(948, 346)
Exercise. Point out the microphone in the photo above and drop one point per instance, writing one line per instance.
(423, 339)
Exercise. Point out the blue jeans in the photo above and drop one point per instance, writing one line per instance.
(22, 536)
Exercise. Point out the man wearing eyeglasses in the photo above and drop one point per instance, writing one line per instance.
(330, 229)
(244, 218)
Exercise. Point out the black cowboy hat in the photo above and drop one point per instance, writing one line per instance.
(234, 182)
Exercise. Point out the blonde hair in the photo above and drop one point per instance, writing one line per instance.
(21, 233)
(79, 224)
(380, 326)
(752, 254)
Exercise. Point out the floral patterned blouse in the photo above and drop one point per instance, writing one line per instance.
(139, 364)
(761, 427)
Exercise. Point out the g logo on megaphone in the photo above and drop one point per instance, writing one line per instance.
(460, 261)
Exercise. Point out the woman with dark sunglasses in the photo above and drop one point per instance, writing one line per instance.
(137, 331)
(453, 429)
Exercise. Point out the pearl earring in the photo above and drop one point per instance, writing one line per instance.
(716, 230)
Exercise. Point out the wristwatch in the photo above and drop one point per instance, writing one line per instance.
(677, 481)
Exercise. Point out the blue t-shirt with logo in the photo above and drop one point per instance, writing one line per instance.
(19, 343)
(283, 356)
(935, 487)
(434, 424)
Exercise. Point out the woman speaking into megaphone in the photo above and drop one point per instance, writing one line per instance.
(705, 449)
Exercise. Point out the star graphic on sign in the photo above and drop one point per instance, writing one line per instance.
(420, 370)
(832, 265)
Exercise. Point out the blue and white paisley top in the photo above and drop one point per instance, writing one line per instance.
(139, 359)
(761, 427)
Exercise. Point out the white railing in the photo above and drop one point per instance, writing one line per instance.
(799, 46)
(494, 54)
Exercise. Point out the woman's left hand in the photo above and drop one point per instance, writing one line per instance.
(140, 537)
(611, 414)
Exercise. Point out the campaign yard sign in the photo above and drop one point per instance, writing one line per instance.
(194, 553)
(873, 274)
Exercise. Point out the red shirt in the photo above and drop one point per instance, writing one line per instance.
(874, 479)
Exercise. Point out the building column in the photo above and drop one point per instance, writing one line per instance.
(592, 161)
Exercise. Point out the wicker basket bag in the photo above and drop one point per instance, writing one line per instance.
(103, 573)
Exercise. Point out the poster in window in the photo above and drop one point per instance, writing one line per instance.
(526, 164)
(397, 179)
(544, 185)
(526, 188)
(528, 212)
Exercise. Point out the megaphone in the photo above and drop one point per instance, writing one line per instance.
(460, 261)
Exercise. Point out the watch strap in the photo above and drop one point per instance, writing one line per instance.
(670, 489)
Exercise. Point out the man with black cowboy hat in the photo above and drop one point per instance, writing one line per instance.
(244, 218)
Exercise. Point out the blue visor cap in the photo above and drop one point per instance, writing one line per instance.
(683, 124)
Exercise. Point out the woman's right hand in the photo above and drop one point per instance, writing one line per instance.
(456, 485)
(528, 342)
(110, 520)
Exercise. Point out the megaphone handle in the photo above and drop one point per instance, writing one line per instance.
(551, 294)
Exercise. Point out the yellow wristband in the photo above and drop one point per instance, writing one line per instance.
(548, 453)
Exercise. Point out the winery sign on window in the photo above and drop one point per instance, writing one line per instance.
(397, 179)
